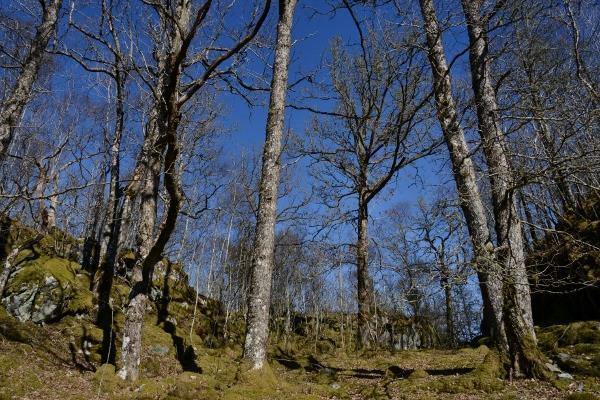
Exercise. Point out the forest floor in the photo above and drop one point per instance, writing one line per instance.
(54, 362)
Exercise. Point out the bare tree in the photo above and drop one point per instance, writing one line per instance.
(465, 177)
(439, 229)
(11, 108)
(177, 28)
(525, 358)
(374, 131)
(104, 55)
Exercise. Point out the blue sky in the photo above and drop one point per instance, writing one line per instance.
(313, 33)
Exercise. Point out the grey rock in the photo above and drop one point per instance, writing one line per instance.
(411, 337)
(20, 304)
(327, 371)
(38, 302)
(155, 293)
(159, 349)
(335, 386)
(36, 292)
(563, 357)
(565, 375)
(553, 367)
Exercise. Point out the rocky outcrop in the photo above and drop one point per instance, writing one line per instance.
(564, 268)
(408, 334)
(574, 347)
(43, 289)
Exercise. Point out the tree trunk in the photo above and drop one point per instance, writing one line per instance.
(447, 287)
(39, 193)
(133, 189)
(543, 132)
(466, 181)
(12, 108)
(518, 319)
(150, 250)
(257, 331)
(89, 256)
(138, 297)
(110, 228)
(365, 287)
(109, 240)
(53, 203)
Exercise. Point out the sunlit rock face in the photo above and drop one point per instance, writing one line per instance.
(43, 289)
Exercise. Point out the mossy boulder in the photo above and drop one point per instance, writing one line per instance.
(487, 377)
(575, 347)
(564, 268)
(418, 374)
(55, 243)
(44, 288)
(556, 336)
(106, 380)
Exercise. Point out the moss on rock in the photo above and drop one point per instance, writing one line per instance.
(487, 377)
(418, 374)
(45, 288)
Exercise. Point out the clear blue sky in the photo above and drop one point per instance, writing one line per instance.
(313, 33)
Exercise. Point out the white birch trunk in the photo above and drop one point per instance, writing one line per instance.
(257, 332)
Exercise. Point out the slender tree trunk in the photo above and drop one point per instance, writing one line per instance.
(160, 150)
(518, 319)
(466, 181)
(149, 249)
(257, 332)
(365, 287)
(558, 174)
(53, 202)
(133, 189)
(109, 241)
(110, 228)
(12, 108)
(138, 298)
(39, 192)
(543, 131)
(581, 67)
(89, 256)
(528, 218)
(447, 287)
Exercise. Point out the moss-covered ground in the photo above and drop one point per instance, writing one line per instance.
(199, 357)
(59, 361)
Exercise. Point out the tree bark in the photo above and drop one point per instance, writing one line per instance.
(12, 108)
(466, 180)
(109, 241)
(518, 318)
(257, 332)
(447, 288)
(138, 297)
(111, 225)
(364, 284)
